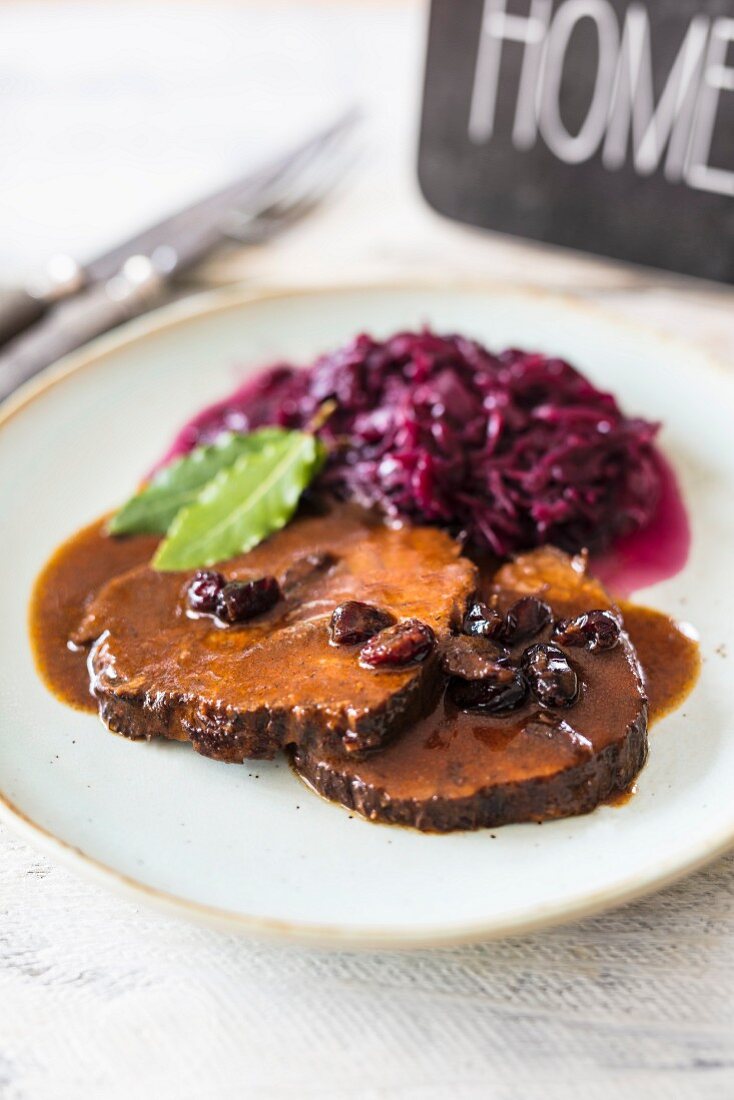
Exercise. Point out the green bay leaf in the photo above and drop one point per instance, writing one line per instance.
(152, 510)
(243, 504)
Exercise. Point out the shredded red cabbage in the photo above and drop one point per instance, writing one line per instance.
(512, 450)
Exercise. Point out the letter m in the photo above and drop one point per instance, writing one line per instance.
(633, 105)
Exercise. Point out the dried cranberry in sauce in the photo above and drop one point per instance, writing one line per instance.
(594, 630)
(483, 620)
(403, 644)
(473, 658)
(552, 680)
(499, 695)
(204, 588)
(242, 600)
(354, 621)
(525, 619)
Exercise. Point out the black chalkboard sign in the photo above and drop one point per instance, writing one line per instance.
(602, 125)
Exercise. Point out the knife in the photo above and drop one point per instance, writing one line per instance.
(81, 302)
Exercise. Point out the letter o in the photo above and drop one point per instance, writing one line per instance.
(575, 148)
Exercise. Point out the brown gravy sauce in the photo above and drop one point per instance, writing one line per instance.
(669, 656)
(621, 798)
(75, 571)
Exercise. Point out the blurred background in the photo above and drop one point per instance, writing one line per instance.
(114, 113)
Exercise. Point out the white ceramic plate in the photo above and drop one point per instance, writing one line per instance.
(249, 846)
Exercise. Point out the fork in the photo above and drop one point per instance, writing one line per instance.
(277, 198)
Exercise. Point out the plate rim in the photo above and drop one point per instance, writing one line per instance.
(219, 300)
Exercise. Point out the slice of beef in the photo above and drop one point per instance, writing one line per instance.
(458, 770)
(251, 689)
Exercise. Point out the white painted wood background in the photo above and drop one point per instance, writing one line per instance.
(102, 999)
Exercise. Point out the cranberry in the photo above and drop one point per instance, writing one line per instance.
(497, 695)
(241, 600)
(354, 621)
(474, 658)
(402, 644)
(594, 630)
(552, 680)
(482, 620)
(525, 619)
(203, 590)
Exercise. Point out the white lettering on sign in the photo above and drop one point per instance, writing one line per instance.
(497, 26)
(579, 147)
(632, 104)
(717, 78)
(677, 131)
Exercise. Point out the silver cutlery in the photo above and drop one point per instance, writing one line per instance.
(81, 302)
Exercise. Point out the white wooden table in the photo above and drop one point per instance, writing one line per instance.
(99, 998)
